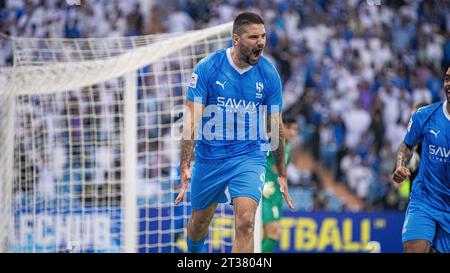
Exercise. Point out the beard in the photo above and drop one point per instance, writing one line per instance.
(251, 55)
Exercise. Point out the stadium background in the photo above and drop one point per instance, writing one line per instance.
(351, 72)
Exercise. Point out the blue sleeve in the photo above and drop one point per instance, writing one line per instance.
(275, 97)
(414, 131)
(198, 85)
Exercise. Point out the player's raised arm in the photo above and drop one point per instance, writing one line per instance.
(279, 155)
(191, 125)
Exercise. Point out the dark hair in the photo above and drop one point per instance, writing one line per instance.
(419, 105)
(246, 18)
(289, 119)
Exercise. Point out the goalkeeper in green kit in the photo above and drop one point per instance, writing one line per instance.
(272, 199)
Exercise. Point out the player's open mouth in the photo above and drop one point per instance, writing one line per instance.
(257, 52)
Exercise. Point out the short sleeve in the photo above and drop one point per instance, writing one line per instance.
(414, 131)
(198, 85)
(274, 100)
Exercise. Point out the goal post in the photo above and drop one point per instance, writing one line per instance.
(6, 159)
(130, 213)
(90, 164)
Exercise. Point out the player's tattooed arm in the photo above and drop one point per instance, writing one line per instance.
(278, 143)
(187, 152)
(404, 154)
(276, 129)
(187, 142)
(401, 172)
(191, 124)
(192, 119)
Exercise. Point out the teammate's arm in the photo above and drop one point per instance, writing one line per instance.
(401, 172)
(278, 155)
(190, 130)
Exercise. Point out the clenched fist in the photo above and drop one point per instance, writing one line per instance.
(400, 174)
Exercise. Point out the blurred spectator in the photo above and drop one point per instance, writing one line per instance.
(135, 21)
(357, 121)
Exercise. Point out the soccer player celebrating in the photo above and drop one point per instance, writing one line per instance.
(427, 220)
(272, 200)
(223, 84)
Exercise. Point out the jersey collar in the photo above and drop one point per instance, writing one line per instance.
(230, 60)
(444, 108)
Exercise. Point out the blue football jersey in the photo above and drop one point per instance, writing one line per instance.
(431, 126)
(234, 99)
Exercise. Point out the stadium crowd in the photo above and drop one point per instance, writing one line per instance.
(351, 71)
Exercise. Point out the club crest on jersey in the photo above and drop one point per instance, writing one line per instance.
(259, 89)
(193, 82)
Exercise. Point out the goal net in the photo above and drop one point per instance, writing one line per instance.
(90, 162)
